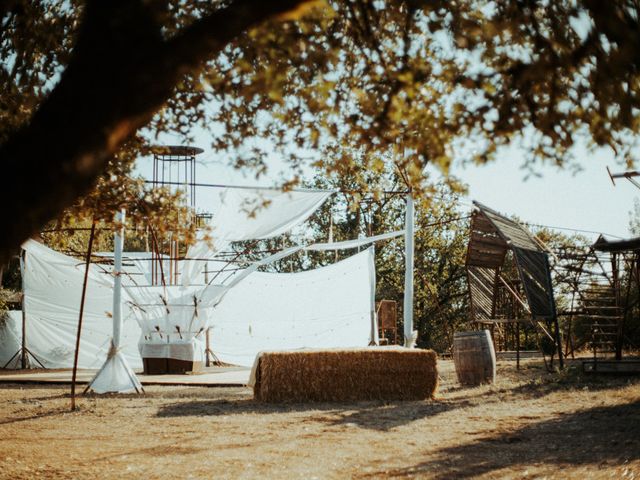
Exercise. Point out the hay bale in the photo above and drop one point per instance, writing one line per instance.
(345, 375)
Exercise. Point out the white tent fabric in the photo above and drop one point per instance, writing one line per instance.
(251, 214)
(360, 242)
(52, 287)
(326, 307)
(334, 302)
(10, 338)
(260, 214)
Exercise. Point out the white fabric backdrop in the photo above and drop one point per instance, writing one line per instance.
(327, 307)
(53, 287)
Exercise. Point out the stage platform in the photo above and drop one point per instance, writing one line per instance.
(209, 377)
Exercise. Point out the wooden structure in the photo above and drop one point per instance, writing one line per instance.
(608, 332)
(622, 253)
(387, 314)
(599, 277)
(492, 237)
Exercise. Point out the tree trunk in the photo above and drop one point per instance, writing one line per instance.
(121, 73)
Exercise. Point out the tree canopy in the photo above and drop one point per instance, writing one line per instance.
(86, 85)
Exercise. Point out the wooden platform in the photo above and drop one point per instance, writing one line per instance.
(512, 354)
(209, 377)
(630, 366)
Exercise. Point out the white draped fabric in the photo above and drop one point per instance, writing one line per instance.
(360, 242)
(331, 304)
(116, 375)
(258, 214)
(251, 214)
(326, 307)
(52, 287)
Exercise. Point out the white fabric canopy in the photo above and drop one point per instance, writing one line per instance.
(247, 214)
(360, 242)
(251, 214)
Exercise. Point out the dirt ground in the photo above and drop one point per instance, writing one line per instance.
(530, 424)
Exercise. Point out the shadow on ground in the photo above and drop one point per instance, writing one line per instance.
(533, 383)
(595, 437)
(371, 415)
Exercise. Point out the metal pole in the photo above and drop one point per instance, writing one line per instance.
(518, 345)
(23, 347)
(118, 239)
(84, 291)
(374, 321)
(408, 273)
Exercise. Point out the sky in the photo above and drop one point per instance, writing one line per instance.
(585, 201)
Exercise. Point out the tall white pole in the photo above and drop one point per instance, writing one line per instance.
(118, 240)
(408, 274)
(115, 374)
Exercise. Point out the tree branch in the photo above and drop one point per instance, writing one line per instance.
(120, 74)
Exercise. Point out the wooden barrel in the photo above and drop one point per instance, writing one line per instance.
(474, 357)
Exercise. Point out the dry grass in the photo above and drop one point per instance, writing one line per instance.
(529, 424)
(346, 375)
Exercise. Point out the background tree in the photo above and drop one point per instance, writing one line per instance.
(441, 297)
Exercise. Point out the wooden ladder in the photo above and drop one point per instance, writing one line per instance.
(601, 310)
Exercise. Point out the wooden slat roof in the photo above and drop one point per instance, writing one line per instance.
(492, 234)
(511, 232)
(486, 248)
(627, 245)
(534, 273)
(481, 287)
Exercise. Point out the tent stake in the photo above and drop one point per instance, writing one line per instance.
(84, 291)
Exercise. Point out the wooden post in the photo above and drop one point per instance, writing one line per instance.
(207, 361)
(518, 345)
(82, 298)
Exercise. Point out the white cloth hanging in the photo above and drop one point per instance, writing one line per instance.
(52, 297)
(52, 289)
(360, 242)
(250, 214)
(323, 308)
